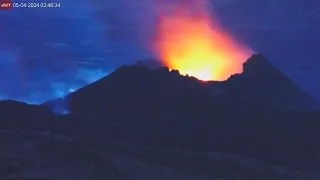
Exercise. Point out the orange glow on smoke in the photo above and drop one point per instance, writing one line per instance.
(189, 40)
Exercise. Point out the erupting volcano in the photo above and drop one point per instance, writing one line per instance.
(190, 40)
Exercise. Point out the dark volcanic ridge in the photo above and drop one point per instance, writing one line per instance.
(149, 86)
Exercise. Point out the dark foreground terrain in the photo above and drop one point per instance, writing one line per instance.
(152, 124)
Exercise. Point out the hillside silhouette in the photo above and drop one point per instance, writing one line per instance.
(151, 88)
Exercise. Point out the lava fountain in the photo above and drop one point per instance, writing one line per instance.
(189, 39)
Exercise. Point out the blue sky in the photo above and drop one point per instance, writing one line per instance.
(45, 53)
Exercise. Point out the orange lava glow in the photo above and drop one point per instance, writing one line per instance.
(188, 39)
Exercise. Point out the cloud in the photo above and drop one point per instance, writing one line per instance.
(40, 49)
